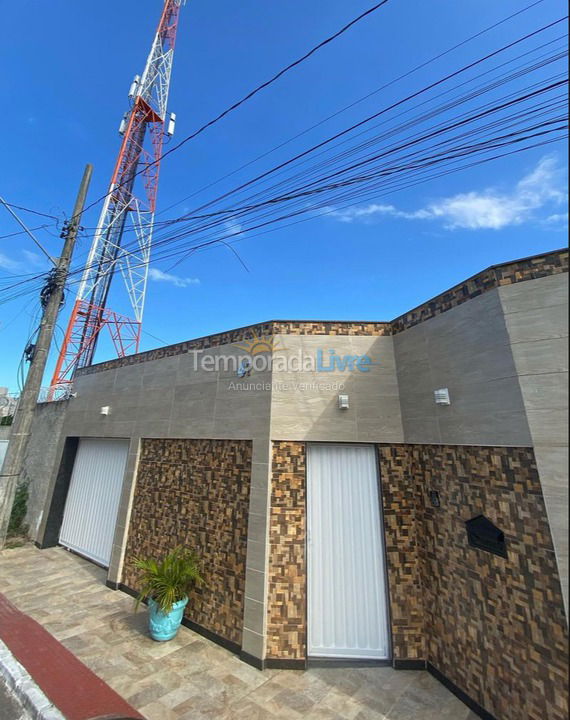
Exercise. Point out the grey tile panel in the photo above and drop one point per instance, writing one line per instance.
(541, 356)
(543, 292)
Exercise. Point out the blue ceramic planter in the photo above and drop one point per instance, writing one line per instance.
(164, 626)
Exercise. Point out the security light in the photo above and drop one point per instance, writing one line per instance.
(442, 396)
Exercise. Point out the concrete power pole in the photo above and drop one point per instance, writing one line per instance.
(52, 295)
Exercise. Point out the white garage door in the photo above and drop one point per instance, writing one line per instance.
(93, 498)
(347, 600)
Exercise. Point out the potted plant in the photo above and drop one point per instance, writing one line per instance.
(166, 585)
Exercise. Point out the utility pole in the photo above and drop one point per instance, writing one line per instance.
(51, 297)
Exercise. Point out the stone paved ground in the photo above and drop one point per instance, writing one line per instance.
(191, 678)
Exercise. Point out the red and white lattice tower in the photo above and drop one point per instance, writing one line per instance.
(131, 199)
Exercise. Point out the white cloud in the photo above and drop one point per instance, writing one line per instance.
(494, 210)
(365, 213)
(557, 220)
(34, 258)
(159, 276)
(487, 209)
(31, 259)
(233, 227)
(7, 263)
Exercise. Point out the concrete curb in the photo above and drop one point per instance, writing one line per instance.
(25, 689)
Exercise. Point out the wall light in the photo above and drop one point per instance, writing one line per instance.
(442, 396)
(343, 402)
(105, 410)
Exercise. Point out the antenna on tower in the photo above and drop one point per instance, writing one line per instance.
(131, 197)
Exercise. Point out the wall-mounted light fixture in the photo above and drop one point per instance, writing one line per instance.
(343, 403)
(105, 410)
(442, 396)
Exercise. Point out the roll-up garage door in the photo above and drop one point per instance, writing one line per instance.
(93, 499)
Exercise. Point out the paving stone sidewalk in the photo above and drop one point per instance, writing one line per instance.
(191, 678)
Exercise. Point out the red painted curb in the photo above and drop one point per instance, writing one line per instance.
(74, 689)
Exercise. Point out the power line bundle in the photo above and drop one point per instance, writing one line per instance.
(508, 101)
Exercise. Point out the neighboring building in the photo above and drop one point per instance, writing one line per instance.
(4, 436)
(8, 402)
(327, 485)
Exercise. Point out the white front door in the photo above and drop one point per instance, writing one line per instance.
(347, 598)
(93, 499)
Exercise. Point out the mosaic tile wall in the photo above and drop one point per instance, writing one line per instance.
(506, 274)
(495, 627)
(196, 493)
(332, 328)
(400, 472)
(286, 623)
(286, 620)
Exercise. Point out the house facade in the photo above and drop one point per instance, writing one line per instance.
(357, 491)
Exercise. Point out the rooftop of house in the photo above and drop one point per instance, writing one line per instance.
(495, 276)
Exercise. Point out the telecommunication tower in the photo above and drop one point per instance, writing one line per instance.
(131, 200)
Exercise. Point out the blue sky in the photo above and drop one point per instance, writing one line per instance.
(66, 73)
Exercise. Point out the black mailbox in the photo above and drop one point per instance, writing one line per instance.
(484, 535)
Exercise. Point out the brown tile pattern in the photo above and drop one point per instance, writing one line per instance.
(332, 328)
(286, 620)
(495, 627)
(402, 506)
(527, 269)
(531, 268)
(495, 276)
(196, 493)
(286, 628)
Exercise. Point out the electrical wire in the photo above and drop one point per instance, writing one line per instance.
(384, 171)
(353, 104)
(357, 125)
(499, 141)
(33, 212)
(22, 232)
(254, 92)
(169, 239)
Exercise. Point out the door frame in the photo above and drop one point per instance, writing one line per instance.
(349, 662)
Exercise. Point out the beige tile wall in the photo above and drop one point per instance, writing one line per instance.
(536, 314)
(466, 350)
(311, 413)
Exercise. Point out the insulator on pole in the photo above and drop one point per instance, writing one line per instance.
(171, 125)
(134, 86)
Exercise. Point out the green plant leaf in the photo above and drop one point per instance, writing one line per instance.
(168, 581)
